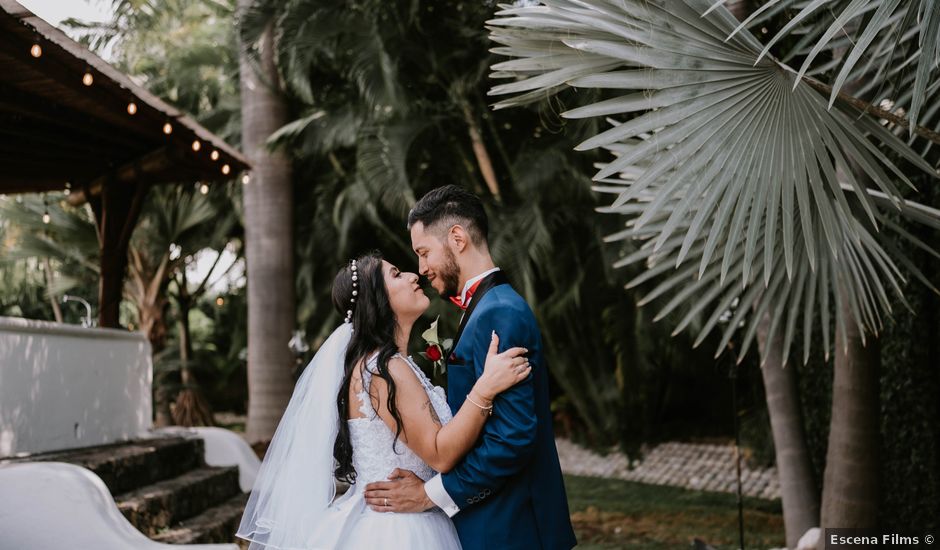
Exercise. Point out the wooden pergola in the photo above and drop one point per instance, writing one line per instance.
(69, 120)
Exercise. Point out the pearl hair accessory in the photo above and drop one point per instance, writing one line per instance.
(355, 292)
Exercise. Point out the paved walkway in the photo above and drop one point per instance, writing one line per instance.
(705, 467)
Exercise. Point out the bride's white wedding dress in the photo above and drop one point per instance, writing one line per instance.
(292, 505)
(355, 525)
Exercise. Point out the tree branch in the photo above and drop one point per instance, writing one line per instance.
(866, 107)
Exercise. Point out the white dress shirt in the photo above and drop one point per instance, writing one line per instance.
(434, 487)
(471, 282)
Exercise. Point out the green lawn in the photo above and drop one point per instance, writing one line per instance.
(620, 514)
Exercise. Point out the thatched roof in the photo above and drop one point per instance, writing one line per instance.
(54, 129)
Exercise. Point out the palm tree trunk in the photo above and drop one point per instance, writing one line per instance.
(797, 489)
(852, 477)
(794, 468)
(269, 241)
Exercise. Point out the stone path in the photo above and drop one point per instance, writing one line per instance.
(705, 467)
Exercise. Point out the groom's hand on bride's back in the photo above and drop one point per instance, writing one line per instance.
(403, 493)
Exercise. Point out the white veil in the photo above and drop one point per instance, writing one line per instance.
(290, 500)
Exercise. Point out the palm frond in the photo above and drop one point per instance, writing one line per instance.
(727, 170)
(872, 31)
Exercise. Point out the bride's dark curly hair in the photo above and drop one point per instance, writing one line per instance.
(374, 325)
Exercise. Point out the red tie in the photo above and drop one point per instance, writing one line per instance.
(459, 302)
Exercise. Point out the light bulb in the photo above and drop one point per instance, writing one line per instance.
(46, 218)
(132, 108)
(204, 189)
(246, 179)
(214, 155)
(36, 51)
(67, 192)
(226, 169)
(219, 301)
(167, 128)
(197, 145)
(88, 79)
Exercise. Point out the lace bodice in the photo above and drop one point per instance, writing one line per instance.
(373, 455)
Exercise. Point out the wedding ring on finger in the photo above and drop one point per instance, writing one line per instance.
(386, 502)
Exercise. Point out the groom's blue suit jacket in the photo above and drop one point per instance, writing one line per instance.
(509, 487)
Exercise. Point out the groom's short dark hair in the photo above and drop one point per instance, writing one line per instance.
(452, 205)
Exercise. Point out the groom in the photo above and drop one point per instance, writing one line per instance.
(508, 492)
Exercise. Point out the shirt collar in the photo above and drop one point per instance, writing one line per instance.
(470, 283)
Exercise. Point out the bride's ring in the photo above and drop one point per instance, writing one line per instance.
(386, 502)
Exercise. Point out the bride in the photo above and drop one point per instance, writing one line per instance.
(361, 409)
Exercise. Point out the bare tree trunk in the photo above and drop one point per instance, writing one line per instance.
(479, 151)
(797, 488)
(191, 407)
(53, 300)
(269, 241)
(851, 483)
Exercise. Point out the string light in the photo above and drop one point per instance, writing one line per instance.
(226, 169)
(88, 79)
(68, 189)
(36, 51)
(204, 189)
(214, 155)
(46, 218)
(246, 179)
(197, 145)
(167, 128)
(132, 108)
(220, 301)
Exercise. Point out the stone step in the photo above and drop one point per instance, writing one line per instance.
(160, 505)
(130, 465)
(217, 524)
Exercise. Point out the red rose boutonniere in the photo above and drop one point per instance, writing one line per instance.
(436, 350)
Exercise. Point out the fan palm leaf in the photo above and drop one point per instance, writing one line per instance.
(727, 169)
(871, 29)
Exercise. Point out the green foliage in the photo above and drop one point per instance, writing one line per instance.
(42, 261)
(182, 51)
(388, 97)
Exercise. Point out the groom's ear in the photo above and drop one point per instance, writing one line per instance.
(458, 238)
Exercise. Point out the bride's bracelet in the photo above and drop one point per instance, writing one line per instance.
(489, 410)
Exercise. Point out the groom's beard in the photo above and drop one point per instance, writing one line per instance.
(449, 274)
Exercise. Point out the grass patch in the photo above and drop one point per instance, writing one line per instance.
(609, 513)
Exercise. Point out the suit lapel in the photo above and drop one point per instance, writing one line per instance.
(487, 284)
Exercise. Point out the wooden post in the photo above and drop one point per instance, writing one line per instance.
(116, 209)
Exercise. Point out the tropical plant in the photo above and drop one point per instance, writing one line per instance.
(392, 101)
(725, 166)
(42, 261)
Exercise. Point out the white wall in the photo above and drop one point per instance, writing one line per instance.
(63, 386)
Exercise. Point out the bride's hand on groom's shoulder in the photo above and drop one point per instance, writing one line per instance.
(502, 370)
